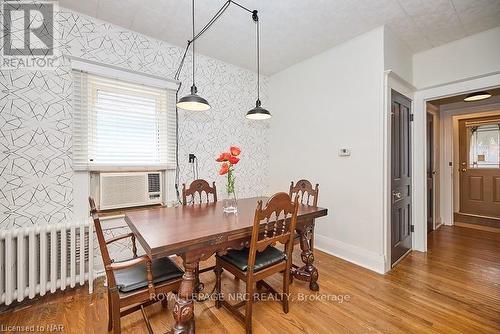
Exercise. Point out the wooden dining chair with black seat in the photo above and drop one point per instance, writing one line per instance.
(305, 236)
(274, 223)
(199, 192)
(132, 284)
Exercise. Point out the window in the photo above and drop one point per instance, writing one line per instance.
(121, 124)
(484, 146)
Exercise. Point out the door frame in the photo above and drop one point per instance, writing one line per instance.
(438, 164)
(487, 81)
(431, 115)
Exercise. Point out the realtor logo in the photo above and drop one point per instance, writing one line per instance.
(28, 35)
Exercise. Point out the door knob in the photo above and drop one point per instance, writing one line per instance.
(464, 170)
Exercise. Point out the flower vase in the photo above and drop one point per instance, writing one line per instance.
(230, 203)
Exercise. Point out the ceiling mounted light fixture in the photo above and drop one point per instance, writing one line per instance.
(477, 96)
(258, 113)
(193, 101)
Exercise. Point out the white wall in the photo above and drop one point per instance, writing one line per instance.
(397, 56)
(331, 101)
(466, 58)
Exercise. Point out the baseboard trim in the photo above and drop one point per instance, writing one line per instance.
(478, 227)
(476, 220)
(348, 252)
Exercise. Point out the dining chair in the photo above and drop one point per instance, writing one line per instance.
(132, 284)
(308, 196)
(199, 192)
(272, 224)
(195, 192)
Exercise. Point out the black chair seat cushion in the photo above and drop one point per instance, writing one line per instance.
(135, 277)
(239, 258)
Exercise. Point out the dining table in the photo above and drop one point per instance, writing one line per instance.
(196, 232)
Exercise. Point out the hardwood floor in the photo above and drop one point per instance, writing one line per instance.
(454, 288)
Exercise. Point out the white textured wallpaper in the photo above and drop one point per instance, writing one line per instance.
(36, 182)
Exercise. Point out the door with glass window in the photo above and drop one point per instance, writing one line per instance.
(479, 145)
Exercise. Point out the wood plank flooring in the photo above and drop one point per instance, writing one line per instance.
(454, 288)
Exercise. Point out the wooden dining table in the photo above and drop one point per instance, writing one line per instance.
(196, 232)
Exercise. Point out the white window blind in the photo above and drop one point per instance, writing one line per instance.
(121, 124)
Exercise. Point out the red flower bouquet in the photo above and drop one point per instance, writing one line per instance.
(228, 160)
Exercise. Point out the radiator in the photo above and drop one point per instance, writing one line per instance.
(45, 258)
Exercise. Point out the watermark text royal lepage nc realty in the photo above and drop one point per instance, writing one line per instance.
(28, 35)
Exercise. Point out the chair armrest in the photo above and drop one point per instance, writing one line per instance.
(128, 263)
(129, 235)
(123, 236)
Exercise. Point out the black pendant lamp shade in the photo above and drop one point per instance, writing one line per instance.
(193, 101)
(258, 113)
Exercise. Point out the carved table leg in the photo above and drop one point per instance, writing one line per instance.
(308, 272)
(198, 285)
(184, 307)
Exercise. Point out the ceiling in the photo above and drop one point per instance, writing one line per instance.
(495, 93)
(294, 30)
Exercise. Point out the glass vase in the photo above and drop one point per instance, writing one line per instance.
(231, 204)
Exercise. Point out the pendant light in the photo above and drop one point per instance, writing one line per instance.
(477, 96)
(193, 101)
(258, 113)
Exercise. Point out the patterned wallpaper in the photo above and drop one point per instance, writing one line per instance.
(36, 182)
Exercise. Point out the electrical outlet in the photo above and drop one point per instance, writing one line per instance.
(191, 158)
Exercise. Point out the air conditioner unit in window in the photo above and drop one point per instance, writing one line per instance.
(124, 190)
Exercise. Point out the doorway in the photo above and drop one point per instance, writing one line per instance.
(479, 171)
(458, 90)
(463, 128)
(401, 226)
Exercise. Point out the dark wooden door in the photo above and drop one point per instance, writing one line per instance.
(430, 172)
(401, 176)
(480, 166)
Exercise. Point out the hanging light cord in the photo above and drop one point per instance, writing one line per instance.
(216, 16)
(177, 74)
(193, 41)
(256, 19)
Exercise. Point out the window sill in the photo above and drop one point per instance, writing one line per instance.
(105, 168)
